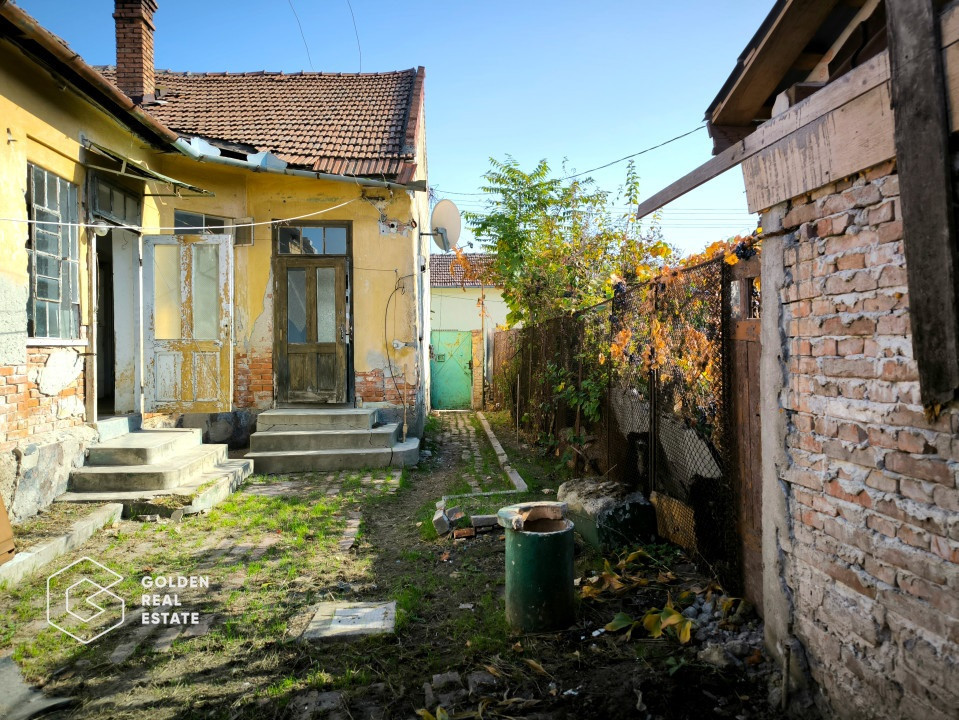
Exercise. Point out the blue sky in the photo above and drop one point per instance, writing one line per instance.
(589, 82)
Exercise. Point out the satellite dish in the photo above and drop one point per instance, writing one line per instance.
(446, 225)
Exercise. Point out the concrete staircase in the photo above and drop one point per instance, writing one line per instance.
(140, 467)
(304, 440)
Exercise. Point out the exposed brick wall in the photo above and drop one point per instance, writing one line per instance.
(477, 340)
(872, 563)
(253, 380)
(26, 410)
(378, 386)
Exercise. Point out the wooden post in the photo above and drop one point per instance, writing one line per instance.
(925, 183)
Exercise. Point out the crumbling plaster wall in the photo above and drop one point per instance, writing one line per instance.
(860, 507)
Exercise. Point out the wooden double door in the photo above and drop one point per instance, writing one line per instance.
(311, 329)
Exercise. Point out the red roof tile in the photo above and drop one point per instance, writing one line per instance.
(347, 124)
(444, 272)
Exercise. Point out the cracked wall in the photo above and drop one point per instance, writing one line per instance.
(861, 509)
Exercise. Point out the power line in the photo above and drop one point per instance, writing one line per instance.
(302, 34)
(147, 228)
(357, 33)
(601, 167)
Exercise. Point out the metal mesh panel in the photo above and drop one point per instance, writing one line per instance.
(654, 359)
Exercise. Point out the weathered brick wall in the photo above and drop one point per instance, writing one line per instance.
(253, 380)
(42, 431)
(378, 386)
(477, 345)
(44, 395)
(872, 561)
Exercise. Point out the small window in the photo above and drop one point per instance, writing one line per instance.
(313, 240)
(114, 204)
(198, 223)
(53, 252)
(192, 223)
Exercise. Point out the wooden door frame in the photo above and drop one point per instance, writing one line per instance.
(742, 330)
(278, 262)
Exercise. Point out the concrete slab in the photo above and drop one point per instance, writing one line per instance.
(171, 471)
(28, 561)
(143, 447)
(344, 620)
(202, 492)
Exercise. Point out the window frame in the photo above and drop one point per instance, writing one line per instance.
(67, 256)
(215, 230)
(344, 224)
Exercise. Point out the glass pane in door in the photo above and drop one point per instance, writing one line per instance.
(325, 304)
(296, 305)
(166, 282)
(205, 305)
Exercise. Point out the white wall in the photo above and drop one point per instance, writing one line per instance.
(458, 309)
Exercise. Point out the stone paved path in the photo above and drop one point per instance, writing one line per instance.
(460, 437)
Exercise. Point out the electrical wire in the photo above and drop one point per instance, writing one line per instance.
(386, 337)
(302, 35)
(600, 167)
(357, 33)
(145, 229)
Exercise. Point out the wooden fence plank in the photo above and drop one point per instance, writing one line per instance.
(925, 181)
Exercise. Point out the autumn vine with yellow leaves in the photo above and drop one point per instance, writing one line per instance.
(604, 299)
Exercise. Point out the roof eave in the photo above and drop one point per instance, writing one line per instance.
(48, 50)
(775, 46)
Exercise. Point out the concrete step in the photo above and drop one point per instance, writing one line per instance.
(380, 437)
(112, 427)
(170, 472)
(317, 418)
(286, 461)
(144, 447)
(200, 492)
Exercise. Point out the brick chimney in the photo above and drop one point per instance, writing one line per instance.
(134, 22)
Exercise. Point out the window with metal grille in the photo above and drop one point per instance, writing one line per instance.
(53, 304)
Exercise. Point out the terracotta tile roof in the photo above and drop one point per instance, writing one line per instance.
(346, 124)
(444, 272)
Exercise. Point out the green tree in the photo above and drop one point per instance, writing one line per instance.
(559, 243)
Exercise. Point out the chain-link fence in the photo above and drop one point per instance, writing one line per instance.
(636, 389)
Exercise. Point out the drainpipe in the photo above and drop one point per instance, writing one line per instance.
(266, 162)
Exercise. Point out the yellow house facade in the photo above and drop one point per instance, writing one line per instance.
(197, 276)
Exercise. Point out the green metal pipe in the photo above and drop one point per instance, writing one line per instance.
(539, 576)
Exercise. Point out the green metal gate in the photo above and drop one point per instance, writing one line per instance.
(451, 370)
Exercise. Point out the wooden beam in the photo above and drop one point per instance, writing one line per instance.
(844, 90)
(925, 187)
(766, 65)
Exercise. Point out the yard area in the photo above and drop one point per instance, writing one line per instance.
(283, 544)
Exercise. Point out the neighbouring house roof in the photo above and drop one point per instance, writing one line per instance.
(343, 124)
(50, 51)
(445, 271)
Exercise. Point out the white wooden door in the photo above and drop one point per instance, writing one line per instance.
(188, 338)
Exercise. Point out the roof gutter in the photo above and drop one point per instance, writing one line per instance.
(51, 45)
(202, 151)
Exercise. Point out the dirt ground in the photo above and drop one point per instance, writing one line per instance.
(278, 547)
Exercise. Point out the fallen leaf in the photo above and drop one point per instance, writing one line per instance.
(445, 557)
(755, 658)
(622, 620)
(493, 671)
(536, 666)
(518, 647)
(425, 714)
